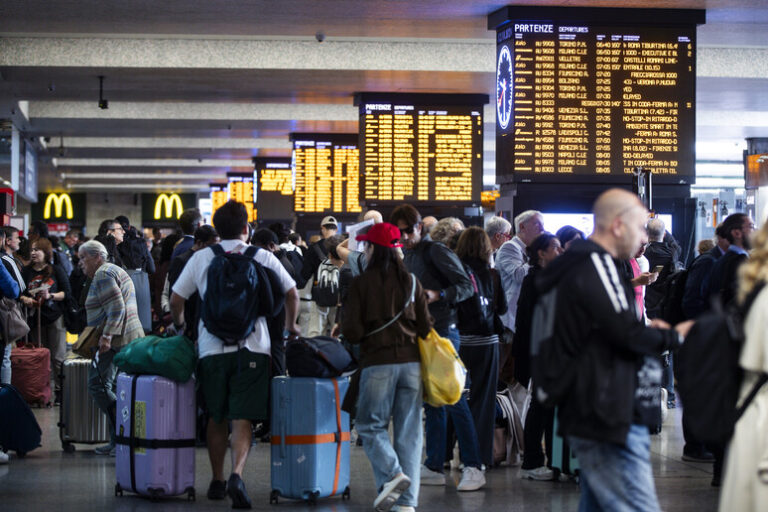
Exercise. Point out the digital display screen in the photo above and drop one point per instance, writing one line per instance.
(421, 147)
(274, 190)
(592, 101)
(327, 170)
(240, 187)
(219, 196)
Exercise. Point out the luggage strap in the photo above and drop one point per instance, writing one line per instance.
(154, 444)
(132, 454)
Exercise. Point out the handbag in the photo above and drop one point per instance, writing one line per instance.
(88, 341)
(14, 325)
(442, 371)
(319, 357)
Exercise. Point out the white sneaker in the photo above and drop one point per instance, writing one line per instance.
(402, 508)
(472, 479)
(429, 477)
(391, 492)
(4, 457)
(540, 473)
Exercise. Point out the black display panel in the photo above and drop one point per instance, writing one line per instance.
(274, 187)
(588, 95)
(421, 148)
(327, 170)
(240, 188)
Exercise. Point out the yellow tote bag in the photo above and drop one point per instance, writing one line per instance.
(442, 371)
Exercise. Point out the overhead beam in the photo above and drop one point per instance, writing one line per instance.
(171, 143)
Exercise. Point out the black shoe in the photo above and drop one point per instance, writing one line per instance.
(700, 456)
(236, 491)
(217, 490)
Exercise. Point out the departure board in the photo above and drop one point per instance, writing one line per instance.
(421, 147)
(219, 195)
(592, 94)
(327, 170)
(240, 187)
(274, 187)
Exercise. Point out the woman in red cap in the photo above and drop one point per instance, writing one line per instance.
(385, 311)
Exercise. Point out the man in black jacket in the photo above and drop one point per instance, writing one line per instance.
(606, 364)
(723, 282)
(446, 284)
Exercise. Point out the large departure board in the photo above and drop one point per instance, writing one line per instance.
(593, 94)
(274, 187)
(421, 147)
(219, 195)
(240, 187)
(327, 170)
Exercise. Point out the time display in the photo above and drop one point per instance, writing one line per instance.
(504, 81)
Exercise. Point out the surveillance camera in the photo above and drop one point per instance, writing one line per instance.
(103, 104)
(320, 37)
(47, 139)
(51, 87)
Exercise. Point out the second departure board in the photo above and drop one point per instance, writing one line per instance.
(274, 187)
(240, 187)
(593, 94)
(421, 147)
(219, 195)
(327, 170)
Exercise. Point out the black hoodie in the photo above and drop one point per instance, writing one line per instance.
(603, 365)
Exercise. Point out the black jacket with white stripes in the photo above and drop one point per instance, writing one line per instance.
(597, 320)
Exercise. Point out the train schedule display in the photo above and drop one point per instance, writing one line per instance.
(219, 195)
(589, 95)
(240, 188)
(274, 187)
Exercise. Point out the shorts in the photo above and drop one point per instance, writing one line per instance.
(235, 385)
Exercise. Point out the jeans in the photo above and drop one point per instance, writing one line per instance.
(462, 422)
(616, 478)
(5, 369)
(102, 384)
(482, 364)
(392, 391)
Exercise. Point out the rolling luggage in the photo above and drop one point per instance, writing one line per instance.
(31, 373)
(80, 419)
(563, 459)
(155, 436)
(19, 430)
(310, 438)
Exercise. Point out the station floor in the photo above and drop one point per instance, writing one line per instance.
(51, 480)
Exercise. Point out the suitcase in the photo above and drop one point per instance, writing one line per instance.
(563, 459)
(31, 373)
(80, 419)
(155, 454)
(19, 430)
(310, 438)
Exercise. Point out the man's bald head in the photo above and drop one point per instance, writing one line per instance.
(612, 204)
(620, 220)
(374, 215)
(429, 222)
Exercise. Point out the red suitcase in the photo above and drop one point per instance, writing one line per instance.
(31, 371)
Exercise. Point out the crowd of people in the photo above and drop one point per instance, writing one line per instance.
(379, 291)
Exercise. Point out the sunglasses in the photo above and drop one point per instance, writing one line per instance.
(409, 230)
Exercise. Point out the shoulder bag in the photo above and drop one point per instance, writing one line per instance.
(14, 325)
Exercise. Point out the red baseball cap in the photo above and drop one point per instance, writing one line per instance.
(384, 234)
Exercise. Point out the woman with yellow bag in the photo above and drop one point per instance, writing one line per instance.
(385, 311)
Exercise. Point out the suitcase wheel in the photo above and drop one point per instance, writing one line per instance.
(155, 494)
(345, 494)
(68, 447)
(273, 497)
(312, 498)
(190, 494)
(118, 490)
(21, 455)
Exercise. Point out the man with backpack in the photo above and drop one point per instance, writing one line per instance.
(598, 362)
(239, 286)
(314, 255)
(326, 291)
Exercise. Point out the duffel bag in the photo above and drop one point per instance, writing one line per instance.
(173, 357)
(319, 357)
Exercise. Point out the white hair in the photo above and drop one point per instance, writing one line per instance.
(94, 248)
(525, 217)
(497, 225)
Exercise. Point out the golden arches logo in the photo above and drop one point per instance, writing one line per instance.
(60, 202)
(167, 201)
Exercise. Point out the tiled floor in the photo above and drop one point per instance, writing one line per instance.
(50, 480)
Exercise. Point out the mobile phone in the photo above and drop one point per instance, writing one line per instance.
(657, 269)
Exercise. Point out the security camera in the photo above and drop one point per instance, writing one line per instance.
(103, 104)
(51, 87)
(320, 37)
(47, 139)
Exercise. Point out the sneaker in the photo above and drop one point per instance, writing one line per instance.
(671, 404)
(472, 479)
(237, 492)
(540, 473)
(107, 449)
(217, 490)
(429, 477)
(4, 457)
(391, 492)
(702, 456)
(402, 508)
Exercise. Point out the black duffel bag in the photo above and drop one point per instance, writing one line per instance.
(319, 357)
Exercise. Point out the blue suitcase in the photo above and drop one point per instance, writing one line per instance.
(19, 430)
(310, 438)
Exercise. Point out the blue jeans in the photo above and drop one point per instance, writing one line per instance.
(5, 369)
(392, 391)
(102, 385)
(616, 478)
(462, 423)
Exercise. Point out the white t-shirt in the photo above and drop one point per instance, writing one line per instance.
(194, 278)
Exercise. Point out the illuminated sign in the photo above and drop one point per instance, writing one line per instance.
(241, 190)
(167, 202)
(273, 187)
(219, 196)
(61, 203)
(504, 82)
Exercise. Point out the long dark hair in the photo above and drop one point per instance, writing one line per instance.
(384, 260)
(540, 243)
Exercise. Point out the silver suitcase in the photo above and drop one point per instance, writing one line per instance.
(80, 420)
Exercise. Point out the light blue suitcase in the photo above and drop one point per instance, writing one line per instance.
(310, 438)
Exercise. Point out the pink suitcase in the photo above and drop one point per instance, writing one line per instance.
(155, 436)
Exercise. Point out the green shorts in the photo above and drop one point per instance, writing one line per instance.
(235, 385)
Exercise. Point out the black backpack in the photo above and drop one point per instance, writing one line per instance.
(319, 357)
(708, 372)
(239, 290)
(671, 304)
(325, 290)
(476, 313)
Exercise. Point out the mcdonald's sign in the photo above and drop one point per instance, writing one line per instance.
(62, 206)
(165, 203)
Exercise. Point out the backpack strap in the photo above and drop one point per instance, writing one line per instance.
(217, 249)
(251, 251)
(394, 319)
(751, 396)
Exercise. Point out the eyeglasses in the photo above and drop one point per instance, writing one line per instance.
(506, 236)
(409, 230)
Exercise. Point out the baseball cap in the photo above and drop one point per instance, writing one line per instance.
(329, 220)
(384, 234)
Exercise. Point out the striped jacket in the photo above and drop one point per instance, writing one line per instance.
(111, 301)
